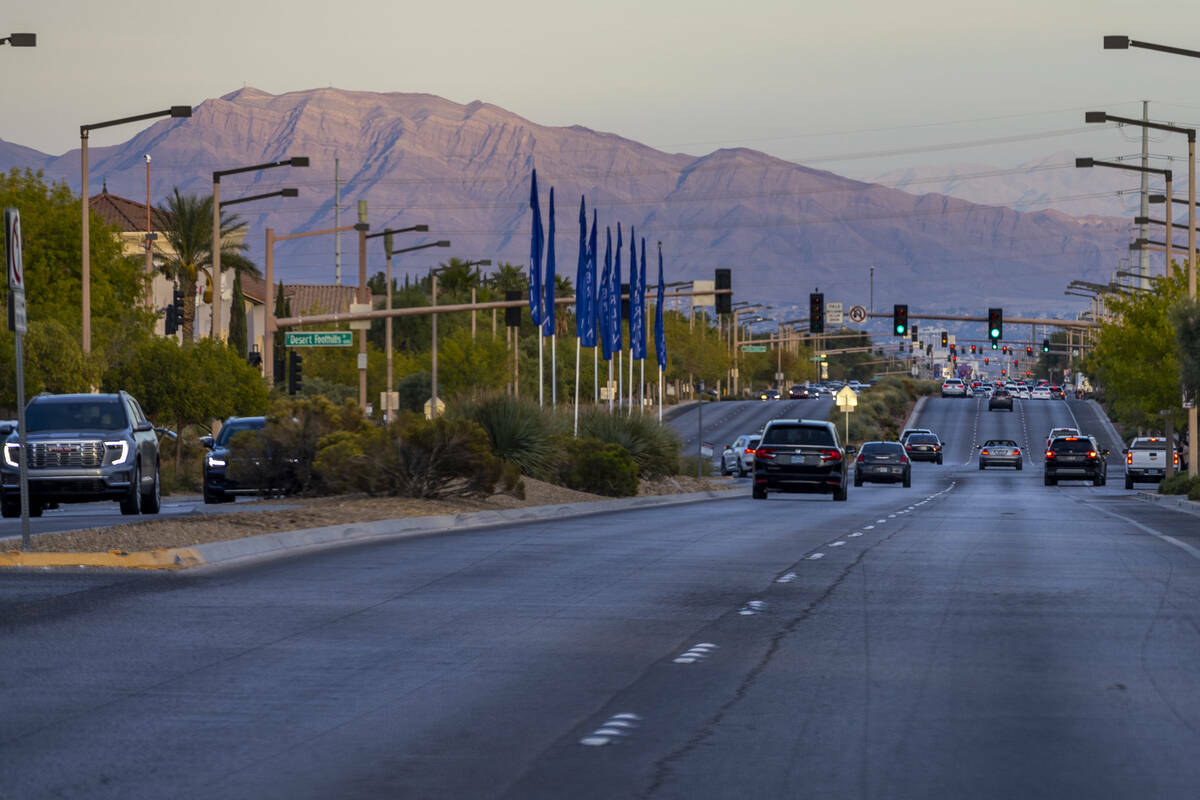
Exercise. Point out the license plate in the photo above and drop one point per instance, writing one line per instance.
(784, 459)
(1154, 472)
(812, 461)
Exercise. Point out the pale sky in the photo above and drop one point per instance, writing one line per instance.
(854, 87)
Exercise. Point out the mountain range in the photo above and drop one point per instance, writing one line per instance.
(783, 228)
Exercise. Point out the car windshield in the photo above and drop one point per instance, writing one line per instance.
(882, 448)
(1146, 444)
(922, 438)
(999, 443)
(75, 415)
(798, 434)
(229, 429)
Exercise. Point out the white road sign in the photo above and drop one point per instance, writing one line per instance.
(16, 271)
(858, 314)
(833, 313)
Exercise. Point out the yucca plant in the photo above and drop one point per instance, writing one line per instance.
(654, 447)
(518, 431)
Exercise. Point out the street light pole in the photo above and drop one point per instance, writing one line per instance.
(85, 264)
(297, 161)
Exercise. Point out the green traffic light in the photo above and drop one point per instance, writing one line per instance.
(995, 333)
(995, 346)
(900, 330)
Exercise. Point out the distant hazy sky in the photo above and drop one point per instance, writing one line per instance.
(854, 87)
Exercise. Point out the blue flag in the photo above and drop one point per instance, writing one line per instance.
(605, 285)
(548, 278)
(536, 241)
(660, 335)
(637, 308)
(614, 300)
(585, 289)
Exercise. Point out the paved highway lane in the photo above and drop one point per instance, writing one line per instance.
(977, 635)
(729, 419)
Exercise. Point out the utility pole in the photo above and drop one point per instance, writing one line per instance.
(1144, 257)
(337, 223)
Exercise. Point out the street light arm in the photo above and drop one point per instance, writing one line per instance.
(20, 40)
(421, 247)
(1084, 163)
(411, 229)
(280, 193)
(296, 161)
(179, 112)
(1104, 116)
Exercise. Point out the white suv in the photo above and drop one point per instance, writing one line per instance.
(954, 387)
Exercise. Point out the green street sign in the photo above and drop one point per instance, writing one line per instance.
(318, 338)
(754, 348)
(816, 358)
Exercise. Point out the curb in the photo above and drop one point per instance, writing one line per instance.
(281, 543)
(1175, 502)
(916, 412)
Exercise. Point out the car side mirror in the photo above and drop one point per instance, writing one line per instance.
(207, 441)
(6, 429)
(143, 426)
(170, 434)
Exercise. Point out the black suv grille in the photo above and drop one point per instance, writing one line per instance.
(66, 454)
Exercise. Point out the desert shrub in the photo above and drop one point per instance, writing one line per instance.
(518, 431)
(591, 465)
(654, 447)
(414, 457)
(1194, 492)
(687, 465)
(281, 458)
(1179, 483)
(413, 391)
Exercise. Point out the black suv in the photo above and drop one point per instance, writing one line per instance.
(1075, 458)
(83, 447)
(220, 485)
(801, 455)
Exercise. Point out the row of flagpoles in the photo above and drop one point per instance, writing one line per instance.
(597, 304)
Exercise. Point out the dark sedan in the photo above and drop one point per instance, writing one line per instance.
(924, 447)
(801, 455)
(799, 393)
(220, 486)
(884, 462)
(999, 453)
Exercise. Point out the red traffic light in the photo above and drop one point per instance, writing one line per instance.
(985, 359)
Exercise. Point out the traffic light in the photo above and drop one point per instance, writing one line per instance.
(1004, 349)
(953, 350)
(945, 338)
(972, 349)
(170, 324)
(986, 359)
(816, 313)
(1045, 345)
(994, 345)
(174, 313)
(295, 372)
(1028, 350)
(724, 280)
(995, 323)
(899, 319)
(512, 314)
(1003, 372)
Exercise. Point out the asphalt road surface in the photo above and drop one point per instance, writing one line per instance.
(977, 635)
(80, 516)
(725, 421)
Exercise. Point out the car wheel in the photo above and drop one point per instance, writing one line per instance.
(908, 480)
(213, 495)
(152, 502)
(858, 481)
(939, 461)
(1128, 482)
(10, 507)
(759, 493)
(1020, 466)
(981, 465)
(840, 493)
(132, 503)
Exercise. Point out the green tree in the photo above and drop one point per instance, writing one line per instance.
(54, 362)
(508, 277)
(237, 318)
(1136, 359)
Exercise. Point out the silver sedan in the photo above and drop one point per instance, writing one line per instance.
(999, 453)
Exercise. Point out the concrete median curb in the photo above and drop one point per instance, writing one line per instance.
(1178, 502)
(269, 545)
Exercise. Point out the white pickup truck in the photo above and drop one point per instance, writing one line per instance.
(1146, 460)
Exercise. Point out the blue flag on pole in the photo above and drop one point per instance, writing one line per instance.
(614, 301)
(548, 278)
(637, 308)
(585, 284)
(602, 306)
(660, 335)
(536, 242)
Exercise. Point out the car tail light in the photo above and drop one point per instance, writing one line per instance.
(1049, 454)
(1016, 451)
(1177, 459)
(984, 452)
(765, 453)
(937, 447)
(860, 458)
(908, 447)
(831, 455)
(1092, 454)
(903, 459)
(749, 449)
(1129, 459)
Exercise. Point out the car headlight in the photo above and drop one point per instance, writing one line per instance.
(10, 454)
(118, 451)
(213, 461)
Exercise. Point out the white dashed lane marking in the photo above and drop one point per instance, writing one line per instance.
(615, 726)
(836, 544)
(697, 652)
(815, 556)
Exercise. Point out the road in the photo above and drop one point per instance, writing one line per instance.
(725, 421)
(978, 635)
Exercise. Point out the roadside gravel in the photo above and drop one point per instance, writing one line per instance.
(195, 529)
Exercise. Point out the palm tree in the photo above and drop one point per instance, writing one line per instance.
(508, 277)
(188, 230)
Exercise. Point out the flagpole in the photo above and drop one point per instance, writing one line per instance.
(541, 370)
(554, 370)
(660, 393)
(610, 387)
(596, 374)
(631, 360)
(577, 348)
(642, 386)
(620, 378)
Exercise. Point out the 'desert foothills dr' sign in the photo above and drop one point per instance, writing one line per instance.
(318, 338)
